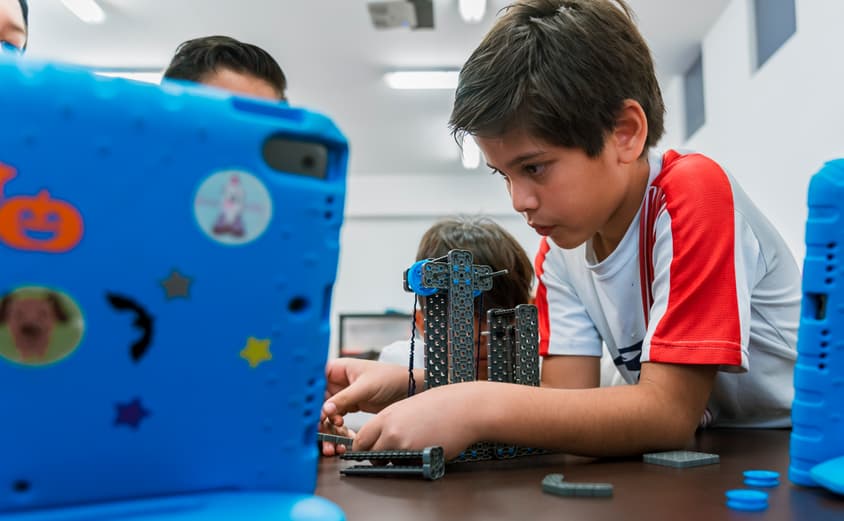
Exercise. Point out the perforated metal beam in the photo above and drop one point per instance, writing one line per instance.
(428, 463)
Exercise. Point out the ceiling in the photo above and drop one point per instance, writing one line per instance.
(334, 59)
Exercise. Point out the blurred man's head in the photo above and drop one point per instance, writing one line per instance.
(229, 64)
(14, 18)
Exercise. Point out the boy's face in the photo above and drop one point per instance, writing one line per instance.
(240, 83)
(12, 29)
(563, 193)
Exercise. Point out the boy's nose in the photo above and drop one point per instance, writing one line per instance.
(523, 197)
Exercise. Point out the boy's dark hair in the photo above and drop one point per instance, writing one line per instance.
(559, 70)
(197, 58)
(491, 245)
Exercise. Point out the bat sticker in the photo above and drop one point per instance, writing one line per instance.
(143, 321)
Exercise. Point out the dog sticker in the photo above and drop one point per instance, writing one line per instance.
(38, 326)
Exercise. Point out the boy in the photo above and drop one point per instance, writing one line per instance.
(226, 63)
(491, 245)
(14, 25)
(663, 258)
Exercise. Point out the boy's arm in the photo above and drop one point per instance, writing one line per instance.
(661, 412)
(569, 343)
(571, 371)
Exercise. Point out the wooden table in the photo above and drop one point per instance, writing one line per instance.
(512, 489)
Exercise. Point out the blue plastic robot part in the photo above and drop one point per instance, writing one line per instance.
(817, 435)
(415, 274)
(747, 500)
(414, 279)
(830, 475)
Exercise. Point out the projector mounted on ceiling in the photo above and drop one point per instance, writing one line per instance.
(415, 14)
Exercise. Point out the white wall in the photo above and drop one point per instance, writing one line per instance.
(774, 127)
(384, 220)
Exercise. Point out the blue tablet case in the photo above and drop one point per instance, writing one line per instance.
(168, 260)
(818, 410)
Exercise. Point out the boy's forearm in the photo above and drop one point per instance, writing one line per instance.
(571, 372)
(594, 422)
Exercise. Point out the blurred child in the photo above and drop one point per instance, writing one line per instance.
(491, 245)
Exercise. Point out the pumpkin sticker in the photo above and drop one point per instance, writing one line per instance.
(37, 222)
(233, 207)
(39, 325)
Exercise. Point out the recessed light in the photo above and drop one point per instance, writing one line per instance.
(143, 76)
(441, 79)
(471, 11)
(86, 10)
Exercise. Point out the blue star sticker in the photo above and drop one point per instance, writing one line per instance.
(131, 413)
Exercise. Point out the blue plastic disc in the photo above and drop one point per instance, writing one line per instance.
(747, 500)
(746, 507)
(761, 478)
(762, 483)
(761, 474)
(414, 279)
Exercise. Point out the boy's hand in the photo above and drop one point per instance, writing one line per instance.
(440, 416)
(360, 385)
(335, 449)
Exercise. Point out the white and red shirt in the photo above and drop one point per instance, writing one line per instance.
(700, 277)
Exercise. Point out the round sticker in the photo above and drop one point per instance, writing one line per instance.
(39, 326)
(233, 207)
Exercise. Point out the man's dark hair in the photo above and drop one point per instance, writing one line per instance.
(559, 70)
(197, 58)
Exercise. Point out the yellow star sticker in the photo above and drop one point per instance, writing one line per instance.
(256, 351)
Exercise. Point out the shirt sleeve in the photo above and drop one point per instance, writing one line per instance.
(564, 325)
(700, 313)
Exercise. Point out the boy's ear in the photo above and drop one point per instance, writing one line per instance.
(631, 131)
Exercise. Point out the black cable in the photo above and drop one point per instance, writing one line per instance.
(411, 384)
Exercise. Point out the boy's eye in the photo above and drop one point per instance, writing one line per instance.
(496, 171)
(533, 169)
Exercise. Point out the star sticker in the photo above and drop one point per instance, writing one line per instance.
(131, 413)
(256, 351)
(177, 285)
